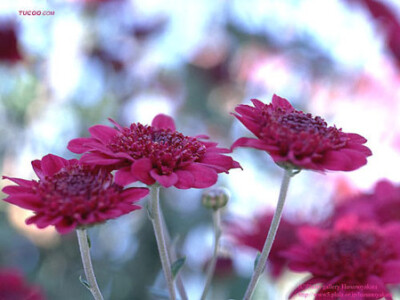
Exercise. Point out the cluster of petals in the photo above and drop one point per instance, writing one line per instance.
(156, 153)
(352, 260)
(13, 286)
(254, 233)
(295, 139)
(381, 206)
(70, 194)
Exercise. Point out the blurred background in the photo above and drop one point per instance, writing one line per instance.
(82, 61)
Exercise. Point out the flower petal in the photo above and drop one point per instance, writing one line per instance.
(97, 158)
(16, 189)
(162, 121)
(51, 164)
(203, 176)
(79, 145)
(124, 176)
(220, 163)
(165, 180)
(102, 132)
(251, 143)
(65, 226)
(306, 285)
(343, 160)
(27, 201)
(185, 179)
(134, 194)
(249, 124)
(282, 103)
(37, 167)
(120, 128)
(19, 181)
(141, 170)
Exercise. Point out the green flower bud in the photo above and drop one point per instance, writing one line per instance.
(215, 198)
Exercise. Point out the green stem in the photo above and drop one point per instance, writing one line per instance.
(87, 264)
(172, 257)
(160, 238)
(211, 268)
(271, 235)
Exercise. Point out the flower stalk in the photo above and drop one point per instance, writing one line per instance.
(211, 268)
(87, 264)
(156, 220)
(262, 260)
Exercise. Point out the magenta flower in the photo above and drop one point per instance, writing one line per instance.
(353, 260)
(70, 194)
(382, 205)
(254, 233)
(298, 140)
(14, 287)
(155, 153)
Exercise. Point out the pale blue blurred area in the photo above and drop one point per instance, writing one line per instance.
(194, 60)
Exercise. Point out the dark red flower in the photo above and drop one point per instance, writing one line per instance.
(382, 205)
(14, 287)
(298, 140)
(254, 233)
(156, 153)
(9, 51)
(352, 260)
(70, 194)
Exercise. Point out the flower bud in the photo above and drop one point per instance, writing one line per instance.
(215, 198)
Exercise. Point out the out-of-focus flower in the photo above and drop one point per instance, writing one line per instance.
(14, 287)
(298, 140)
(388, 22)
(9, 51)
(70, 194)
(354, 259)
(382, 205)
(223, 266)
(156, 153)
(255, 234)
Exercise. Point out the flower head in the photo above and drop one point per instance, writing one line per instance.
(254, 237)
(14, 287)
(156, 153)
(352, 258)
(299, 140)
(382, 205)
(70, 194)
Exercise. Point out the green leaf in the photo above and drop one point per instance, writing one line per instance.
(84, 282)
(177, 265)
(256, 260)
(89, 242)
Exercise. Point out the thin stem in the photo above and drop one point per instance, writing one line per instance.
(172, 257)
(160, 238)
(271, 235)
(87, 264)
(211, 268)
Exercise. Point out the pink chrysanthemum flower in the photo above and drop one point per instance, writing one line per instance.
(14, 287)
(353, 260)
(254, 233)
(156, 153)
(69, 194)
(382, 205)
(298, 140)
